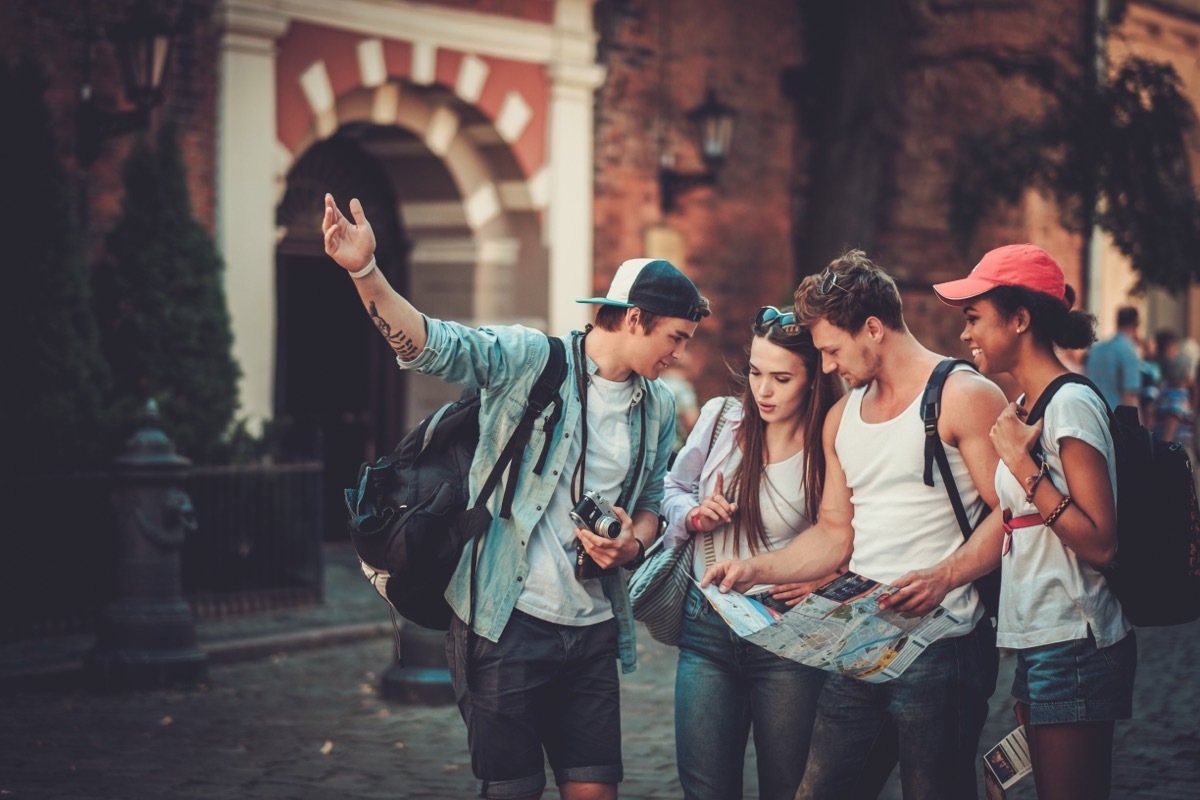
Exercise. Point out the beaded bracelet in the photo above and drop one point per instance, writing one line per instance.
(1031, 483)
(1057, 512)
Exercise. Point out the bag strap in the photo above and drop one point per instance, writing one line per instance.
(544, 392)
(1039, 407)
(1127, 414)
(710, 549)
(935, 450)
(622, 501)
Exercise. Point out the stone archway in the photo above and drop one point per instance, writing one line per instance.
(476, 250)
(505, 102)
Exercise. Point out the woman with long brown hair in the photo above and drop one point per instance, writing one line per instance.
(748, 480)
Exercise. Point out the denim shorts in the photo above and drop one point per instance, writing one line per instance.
(1076, 681)
(542, 687)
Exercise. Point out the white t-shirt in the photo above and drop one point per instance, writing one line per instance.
(1047, 593)
(900, 524)
(552, 592)
(781, 503)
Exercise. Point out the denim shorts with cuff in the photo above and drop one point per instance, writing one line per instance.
(1076, 681)
(542, 687)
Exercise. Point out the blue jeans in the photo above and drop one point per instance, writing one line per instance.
(1076, 681)
(724, 686)
(937, 706)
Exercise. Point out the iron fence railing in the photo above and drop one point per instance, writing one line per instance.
(258, 546)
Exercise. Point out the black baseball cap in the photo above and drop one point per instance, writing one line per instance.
(656, 285)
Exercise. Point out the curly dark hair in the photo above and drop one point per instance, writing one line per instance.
(1050, 322)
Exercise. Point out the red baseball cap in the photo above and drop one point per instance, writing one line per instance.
(1023, 265)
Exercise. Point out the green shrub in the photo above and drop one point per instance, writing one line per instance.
(160, 292)
(55, 380)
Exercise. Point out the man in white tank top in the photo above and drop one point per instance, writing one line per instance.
(877, 514)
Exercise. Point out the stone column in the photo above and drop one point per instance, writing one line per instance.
(248, 157)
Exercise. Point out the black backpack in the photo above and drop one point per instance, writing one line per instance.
(1156, 574)
(408, 510)
(931, 406)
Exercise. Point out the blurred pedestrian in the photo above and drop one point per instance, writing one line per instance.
(687, 406)
(748, 480)
(1175, 409)
(1114, 365)
(1159, 351)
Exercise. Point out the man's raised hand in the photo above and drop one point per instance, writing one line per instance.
(350, 244)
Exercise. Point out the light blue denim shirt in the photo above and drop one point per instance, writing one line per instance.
(505, 362)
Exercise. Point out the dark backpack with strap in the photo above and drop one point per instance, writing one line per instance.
(931, 406)
(1156, 574)
(408, 510)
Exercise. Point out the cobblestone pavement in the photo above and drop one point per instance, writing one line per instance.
(311, 722)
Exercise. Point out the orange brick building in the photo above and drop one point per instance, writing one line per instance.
(509, 152)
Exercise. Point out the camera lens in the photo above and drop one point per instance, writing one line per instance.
(608, 526)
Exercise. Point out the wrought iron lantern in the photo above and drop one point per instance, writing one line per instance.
(144, 42)
(712, 123)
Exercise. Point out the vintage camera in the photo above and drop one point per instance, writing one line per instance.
(594, 513)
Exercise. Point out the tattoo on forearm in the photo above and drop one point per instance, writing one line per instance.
(400, 341)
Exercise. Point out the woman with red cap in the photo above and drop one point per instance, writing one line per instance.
(1076, 651)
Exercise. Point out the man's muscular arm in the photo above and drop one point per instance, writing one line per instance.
(970, 407)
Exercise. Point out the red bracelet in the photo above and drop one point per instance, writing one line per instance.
(696, 521)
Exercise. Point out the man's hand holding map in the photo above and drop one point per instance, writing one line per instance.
(838, 627)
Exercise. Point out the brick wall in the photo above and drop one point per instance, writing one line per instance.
(54, 35)
(738, 236)
(660, 57)
(949, 92)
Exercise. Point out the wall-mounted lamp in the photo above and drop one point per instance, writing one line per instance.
(144, 42)
(712, 122)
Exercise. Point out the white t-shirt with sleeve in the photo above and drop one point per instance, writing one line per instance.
(1047, 593)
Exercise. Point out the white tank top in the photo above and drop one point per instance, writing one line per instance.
(900, 524)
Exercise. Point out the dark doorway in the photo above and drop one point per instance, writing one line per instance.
(336, 385)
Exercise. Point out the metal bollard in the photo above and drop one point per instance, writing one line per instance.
(146, 637)
(424, 677)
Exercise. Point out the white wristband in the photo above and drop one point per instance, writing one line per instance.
(365, 271)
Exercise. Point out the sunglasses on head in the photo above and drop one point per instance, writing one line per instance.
(829, 281)
(770, 315)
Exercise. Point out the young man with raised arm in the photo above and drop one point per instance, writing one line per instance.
(542, 658)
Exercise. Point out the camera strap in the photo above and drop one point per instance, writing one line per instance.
(579, 477)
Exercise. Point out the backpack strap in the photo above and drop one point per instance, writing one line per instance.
(1125, 414)
(1039, 407)
(544, 392)
(710, 548)
(931, 408)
